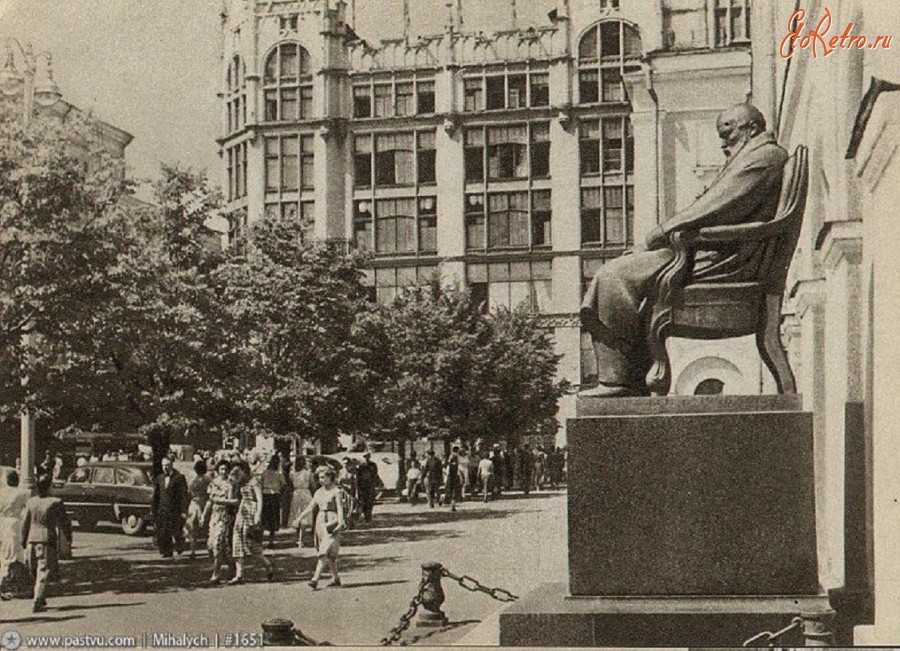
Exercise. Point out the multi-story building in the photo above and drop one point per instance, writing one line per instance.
(514, 162)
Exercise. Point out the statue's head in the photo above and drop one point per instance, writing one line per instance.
(736, 125)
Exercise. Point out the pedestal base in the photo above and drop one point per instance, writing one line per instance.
(550, 617)
(428, 619)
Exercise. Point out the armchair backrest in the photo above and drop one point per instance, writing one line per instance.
(773, 268)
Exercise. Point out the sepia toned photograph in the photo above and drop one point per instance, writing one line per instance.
(436, 323)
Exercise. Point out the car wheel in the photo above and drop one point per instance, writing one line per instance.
(133, 525)
(87, 523)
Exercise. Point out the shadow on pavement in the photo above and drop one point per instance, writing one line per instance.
(371, 584)
(42, 619)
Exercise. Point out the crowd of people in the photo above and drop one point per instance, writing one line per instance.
(238, 501)
(485, 472)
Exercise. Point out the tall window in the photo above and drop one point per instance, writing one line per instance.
(287, 84)
(514, 220)
(236, 96)
(732, 21)
(507, 152)
(396, 159)
(512, 284)
(289, 163)
(395, 226)
(400, 97)
(405, 225)
(607, 215)
(237, 171)
(606, 146)
(509, 90)
(606, 51)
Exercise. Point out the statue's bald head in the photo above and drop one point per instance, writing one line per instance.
(736, 125)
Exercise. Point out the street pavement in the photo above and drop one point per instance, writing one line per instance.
(118, 585)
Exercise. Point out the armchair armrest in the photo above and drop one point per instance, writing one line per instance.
(713, 235)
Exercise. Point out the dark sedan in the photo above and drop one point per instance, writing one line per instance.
(109, 491)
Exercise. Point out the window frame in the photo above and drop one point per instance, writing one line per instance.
(279, 86)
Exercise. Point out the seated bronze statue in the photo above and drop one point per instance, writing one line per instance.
(714, 270)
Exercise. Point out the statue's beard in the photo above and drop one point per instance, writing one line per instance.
(732, 150)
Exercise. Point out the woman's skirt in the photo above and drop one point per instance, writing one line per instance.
(299, 501)
(271, 511)
(10, 543)
(245, 541)
(328, 542)
(221, 524)
(193, 526)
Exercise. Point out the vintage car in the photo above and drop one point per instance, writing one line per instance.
(109, 491)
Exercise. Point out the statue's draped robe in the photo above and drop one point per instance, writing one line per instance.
(615, 310)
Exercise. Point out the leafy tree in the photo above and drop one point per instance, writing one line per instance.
(447, 371)
(290, 309)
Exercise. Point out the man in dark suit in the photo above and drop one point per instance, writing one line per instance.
(45, 518)
(615, 309)
(170, 506)
(367, 486)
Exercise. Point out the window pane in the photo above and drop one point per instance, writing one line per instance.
(425, 97)
(587, 49)
(474, 164)
(383, 101)
(362, 102)
(289, 63)
(610, 45)
(612, 86)
(428, 233)
(271, 110)
(404, 101)
(516, 91)
(590, 157)
(540, 90)
(362, 170)
(543, 295)
(615, 227)
(272, 68)
(540, 159)
(473, 93)
(289, 104)
(588, 88)
(495, 92)
(306, 102)
(290, 168)
(426, 163)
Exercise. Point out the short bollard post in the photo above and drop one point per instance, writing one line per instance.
(817, 628)
(278, 632)
(431, 614)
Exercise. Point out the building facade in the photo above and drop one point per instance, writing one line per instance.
(514, 163)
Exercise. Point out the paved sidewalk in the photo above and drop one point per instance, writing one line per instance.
(119, 585)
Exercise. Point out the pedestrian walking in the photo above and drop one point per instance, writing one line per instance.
(486, 477)
(248, 534)
(169, 508)
(433, 473)
(526, 468)
(199, 494)
(45, 521)
(272, 483)
(366, 486)
(220, 511)
(453, 481)
(329, 525)
(302, 483)
(413, 481)
(12, 503)
(499, 470)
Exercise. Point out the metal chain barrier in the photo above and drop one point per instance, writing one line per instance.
(405, 618)
(466, 582)
(472, 585)
(770, 638)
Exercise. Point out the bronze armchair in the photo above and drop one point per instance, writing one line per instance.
(720, 310)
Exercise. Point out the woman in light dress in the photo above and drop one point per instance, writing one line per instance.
(248, 531)
(12, 502)
(199, 491)
(219, 512)
(329, 525)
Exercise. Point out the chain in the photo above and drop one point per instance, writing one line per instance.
(770, 637)
(405, 618)
(472, 585)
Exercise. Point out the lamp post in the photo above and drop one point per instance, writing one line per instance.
(45, 93)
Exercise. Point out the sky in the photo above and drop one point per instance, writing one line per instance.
(150, 66)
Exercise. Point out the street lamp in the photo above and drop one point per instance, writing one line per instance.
(45, 93)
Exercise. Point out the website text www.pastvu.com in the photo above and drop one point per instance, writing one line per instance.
(12, 640)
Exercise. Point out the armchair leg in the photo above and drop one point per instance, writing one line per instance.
(768, 341)
(659, 378)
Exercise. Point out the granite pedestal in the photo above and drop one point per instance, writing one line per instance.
(693, 515)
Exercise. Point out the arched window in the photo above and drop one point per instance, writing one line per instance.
(606, 51)
(288, 84)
